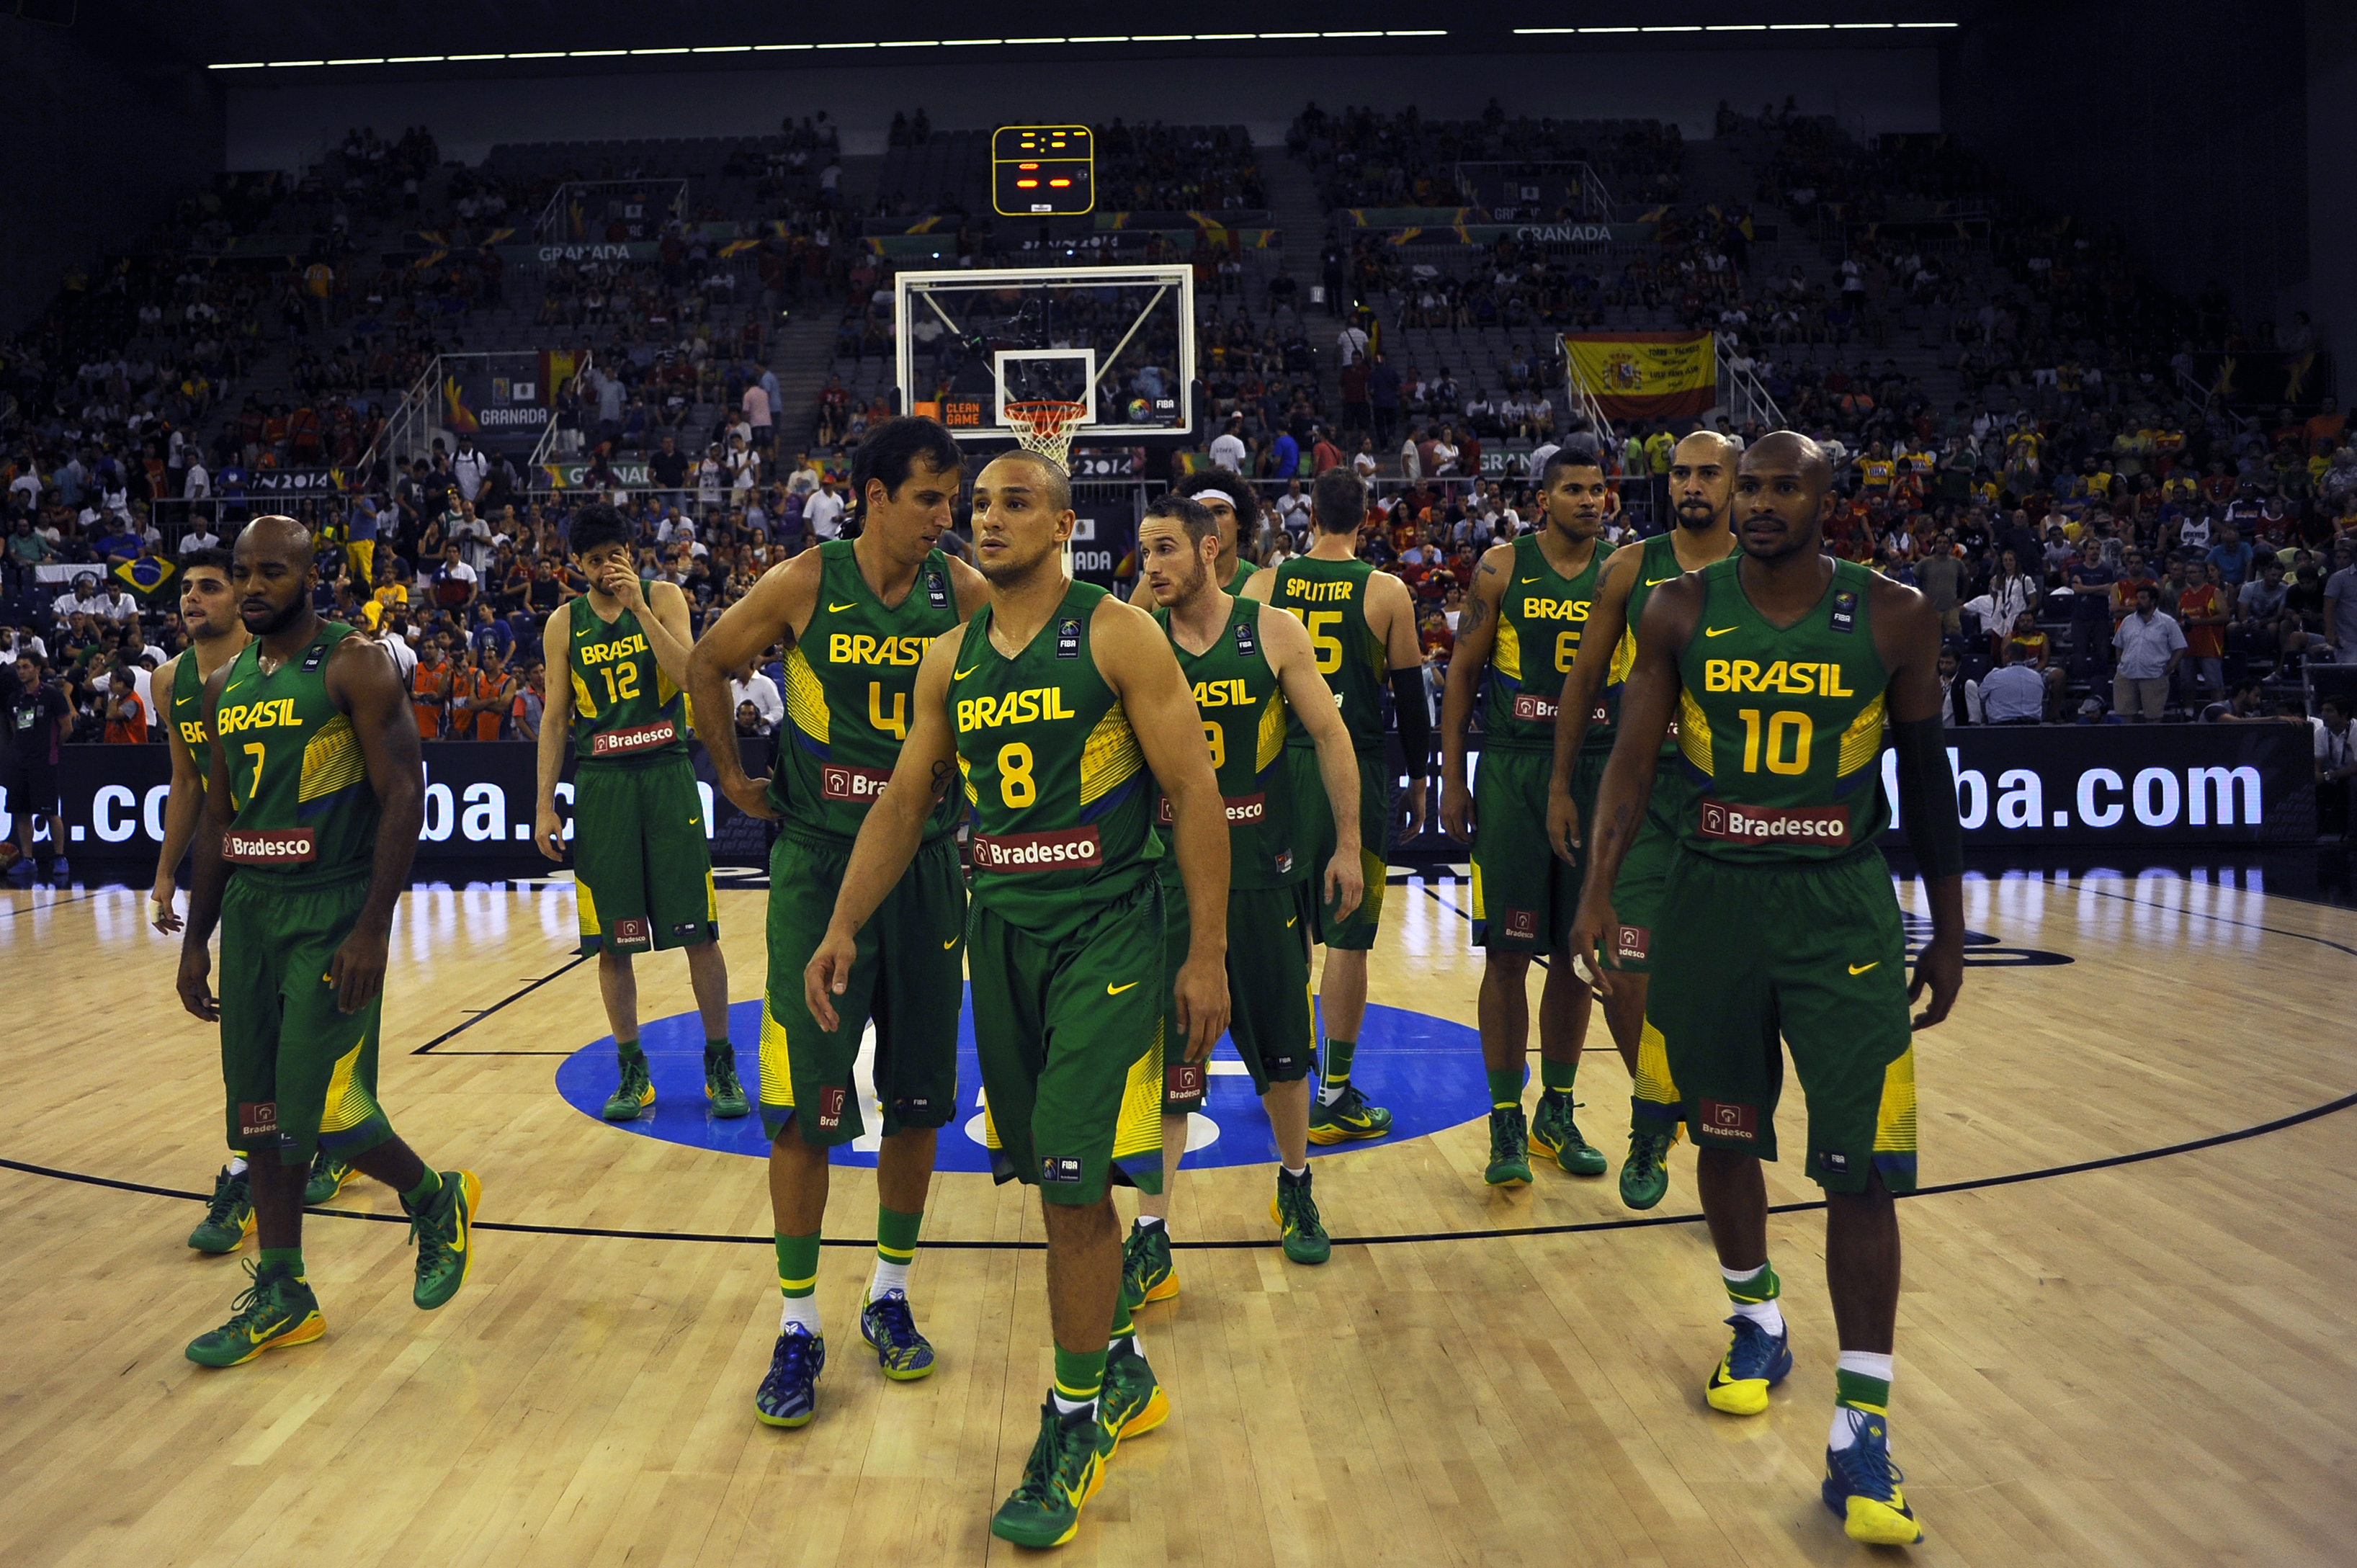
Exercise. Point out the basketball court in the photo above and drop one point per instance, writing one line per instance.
(2123, 1337)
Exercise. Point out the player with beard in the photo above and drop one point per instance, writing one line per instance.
(1702, 485)
(1246, 666)
(1058, 709)
(1788, 670)
(1524, 624)
(314, 797)
(216, 635)
(1235, 512)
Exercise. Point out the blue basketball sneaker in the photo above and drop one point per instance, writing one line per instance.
(1756, 1361)
(787, 1397)
(1862, 1484)
(891, 1332)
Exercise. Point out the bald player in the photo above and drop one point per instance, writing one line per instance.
(1702, 485)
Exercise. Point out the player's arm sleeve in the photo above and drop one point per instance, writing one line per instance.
(1415, 710)
(1927, 796)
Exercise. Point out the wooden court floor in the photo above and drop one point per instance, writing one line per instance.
(2146, 1362)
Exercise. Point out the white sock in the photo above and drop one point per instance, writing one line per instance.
(1866, 1363)
(889, 1276)
(1066, 1407)
(1149, 1222)
(801, 1312)
(237, 1164)
(1766, 1313)
(1295, 1175)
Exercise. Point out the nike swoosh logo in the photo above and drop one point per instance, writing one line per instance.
(692, 820)
(838, 609)
(1111, 990)
(961, 674)
(1717, 631)
(949, 944)
(258, 1335)
(1862, 968)
(1657, 582)
(1289, 924)
(1530, 579)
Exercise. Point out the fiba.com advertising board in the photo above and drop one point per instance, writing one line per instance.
(2194, 785)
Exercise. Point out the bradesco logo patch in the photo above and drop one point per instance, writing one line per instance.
(1532, 708)
(1242, 810)
(1775, 824)
(1060, 1172)
(269, 846)
(1634, 940)
(257, 1118)
(1059, 851)
(1183, 1081)
(630, 931)
(639, 737)
(830, 1106)
(1523, 925)
(840, 781)
(1739, 1122)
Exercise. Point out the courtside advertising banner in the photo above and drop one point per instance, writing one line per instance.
(1646, 375)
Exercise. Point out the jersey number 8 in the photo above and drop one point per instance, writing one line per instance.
(1015, 785)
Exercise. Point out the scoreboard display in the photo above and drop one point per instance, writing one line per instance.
(1043, 170)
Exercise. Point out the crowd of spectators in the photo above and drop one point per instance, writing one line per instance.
(1363, 157)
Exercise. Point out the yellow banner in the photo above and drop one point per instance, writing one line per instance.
(1646, 375)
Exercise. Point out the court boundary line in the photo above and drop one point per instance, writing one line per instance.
(482, 1012)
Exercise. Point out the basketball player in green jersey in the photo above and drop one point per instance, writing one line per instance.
(1522, 624)
(1247, 665)
(1361, 624)
(1702, 488)
(311, 812)
(642, 862)
(1057, 709)
(1235, 512)
(1787, 669)
(858, 615)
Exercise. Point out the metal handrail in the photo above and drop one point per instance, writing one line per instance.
(1583, 397)
(547, 440)
(1742, 391)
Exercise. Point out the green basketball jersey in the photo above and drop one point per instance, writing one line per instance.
(1063, 815)
(298, 786)
(1540, 619)
(1658, 564)
(1781, 728)
(1331, 597)
(1243, 714)
(188, 711)
(1245, 570)
(850, 678)
(624, 706)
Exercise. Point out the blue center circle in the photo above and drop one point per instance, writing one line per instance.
(1426, 1070)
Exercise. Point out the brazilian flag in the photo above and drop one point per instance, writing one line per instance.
(147, 577)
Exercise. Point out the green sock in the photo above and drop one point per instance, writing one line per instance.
(421, 1195)
(1121, 1325)
(1506, 1088)
(722, 1049)
(1338, 1065)
(287, 1258)
(1757, 1287)
(1557, 1076)
(896, 1249)
(1079, 1375)
(628, 1051)
(798, 1265)
(1860, 1391)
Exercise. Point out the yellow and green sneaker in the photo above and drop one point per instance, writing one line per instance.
(1509, 1154)
(1349, 1118)
(1861, 1485)
(720, 1086)
(273, 1312)
(444, 1233)
(635, 1094)
(1555, 1134)
(1304, 1239)
(329, 1176)
(229, 1216)
(1064, 1471)
(1645, 1173)
(1132, 1402)
(1146, 1271)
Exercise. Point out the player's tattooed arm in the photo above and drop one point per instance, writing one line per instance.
(1600, 642)
(1477, 636)
(945, 778)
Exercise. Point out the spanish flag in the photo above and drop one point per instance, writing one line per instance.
(1646, 375)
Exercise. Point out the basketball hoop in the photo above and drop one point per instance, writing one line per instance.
(1047, 427)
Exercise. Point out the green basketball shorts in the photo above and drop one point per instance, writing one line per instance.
(1810, 951)
(298, 1074)
(641, 867)
(1524, 896)
(1270, 1021)
(1313, 843)
(909, 976)
(1069, 1034)
(1636, 890)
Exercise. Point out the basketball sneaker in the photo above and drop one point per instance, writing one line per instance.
(329, 1176)
(1296, 1213)
(1862, 1485)
(228, 1218)
(891, 1332)
(788, 1395)
(1756, 1361)
(1645, 1173)
(1555, 1134)
(443, 1231)
(1509, 1154)
(1146, 1273)
(1066, 1467)
(276, 1311)
(1348, 1118)
(720, 1085)
(1132, 1402)
(635, 1094)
